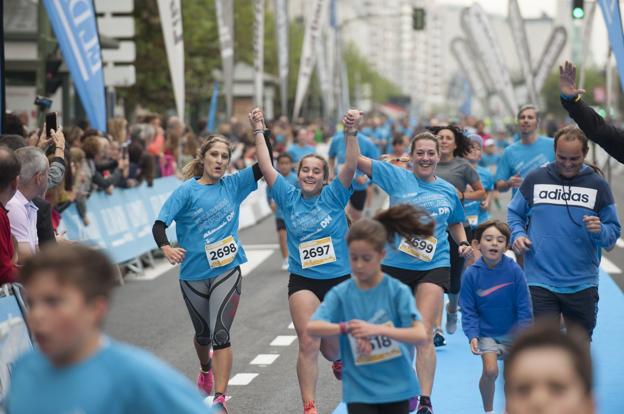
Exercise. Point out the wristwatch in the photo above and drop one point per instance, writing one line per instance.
(352, 133)
(464, 243)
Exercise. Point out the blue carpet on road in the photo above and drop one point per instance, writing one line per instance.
(456, 385)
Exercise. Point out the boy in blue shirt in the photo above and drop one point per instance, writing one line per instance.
(76, 368)
(494, 300)
(375, 316)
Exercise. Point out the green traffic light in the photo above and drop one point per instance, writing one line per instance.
(578, 13)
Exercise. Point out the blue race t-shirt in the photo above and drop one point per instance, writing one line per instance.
(389, 375)
(206, 219)
(117, 379)
(475, 215)
(438, 197)
(316, 229)
(297, 151)
(338, 150)
(292, 180)
(520, 159)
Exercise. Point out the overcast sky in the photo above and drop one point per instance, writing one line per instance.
(529, 8)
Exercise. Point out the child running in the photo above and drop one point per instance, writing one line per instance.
(285, 167)
(75, 367)
(375, 316)
(494, 300)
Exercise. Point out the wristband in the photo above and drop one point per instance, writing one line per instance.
(258, 131)
(352, 133)
(343, 327)
(464, 243)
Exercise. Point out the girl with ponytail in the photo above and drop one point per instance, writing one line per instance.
(375, 316)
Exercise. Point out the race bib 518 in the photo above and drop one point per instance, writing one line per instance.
(382, 349)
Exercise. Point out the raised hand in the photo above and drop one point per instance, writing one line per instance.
(567, 80)
(256, 119)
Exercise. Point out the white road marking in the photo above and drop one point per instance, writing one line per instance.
(261, 246)
(291, 326)
(620, 243)
(284, 340)
(242, 379)
(254, 259)
(264, 359)
(609, 267)
(161, 267)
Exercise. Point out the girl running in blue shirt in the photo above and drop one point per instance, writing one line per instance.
(375, 317)
(206, 208)
(425, 268)
(316, 228)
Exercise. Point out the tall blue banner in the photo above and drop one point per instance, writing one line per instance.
(613, 20)
(212, 115)
(75, 28)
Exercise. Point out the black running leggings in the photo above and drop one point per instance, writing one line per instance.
(399, 407)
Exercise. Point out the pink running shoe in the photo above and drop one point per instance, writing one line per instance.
(219, 404)
(309, 408)
(205, 382)
(337, 369)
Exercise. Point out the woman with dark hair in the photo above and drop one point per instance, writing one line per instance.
(457, 171)
(424, 264)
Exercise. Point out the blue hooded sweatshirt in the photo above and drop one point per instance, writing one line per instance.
(494, 301)
(548, 210)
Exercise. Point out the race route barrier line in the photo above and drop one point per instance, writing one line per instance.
(121, 223)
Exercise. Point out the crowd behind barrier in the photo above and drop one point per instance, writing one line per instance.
(121, 223)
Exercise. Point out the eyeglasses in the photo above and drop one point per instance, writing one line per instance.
(399, 159)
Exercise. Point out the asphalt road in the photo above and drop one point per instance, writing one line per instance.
(152, 315)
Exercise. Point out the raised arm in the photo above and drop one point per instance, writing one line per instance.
(256, 119)
(351, 122)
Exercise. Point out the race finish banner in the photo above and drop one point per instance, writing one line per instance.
(552, 50)
(613, 20)
(171, 20)
(225, 20)
(518, 33)
(75, 28)
(281, 22)
(308, 53)
(478, 29)
(259, 53)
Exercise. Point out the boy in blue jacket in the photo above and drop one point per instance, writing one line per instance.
(494, 299)
(561, 219)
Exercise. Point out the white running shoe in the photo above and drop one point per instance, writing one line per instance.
(285, 264)
(451, 322)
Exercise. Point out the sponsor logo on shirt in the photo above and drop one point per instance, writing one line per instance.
(562, 195)
(486, 292)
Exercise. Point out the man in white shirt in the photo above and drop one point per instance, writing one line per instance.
(32, 182)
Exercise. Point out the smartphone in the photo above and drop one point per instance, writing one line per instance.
(51, 123)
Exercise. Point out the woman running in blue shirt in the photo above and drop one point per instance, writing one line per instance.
(316, 228)
(375, 316)
(425, 268)
(206, 209)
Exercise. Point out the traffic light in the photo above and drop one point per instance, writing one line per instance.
(418, 18)
(578, 9)
(53, 78)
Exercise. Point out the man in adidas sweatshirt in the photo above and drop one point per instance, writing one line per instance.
(561, 219)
